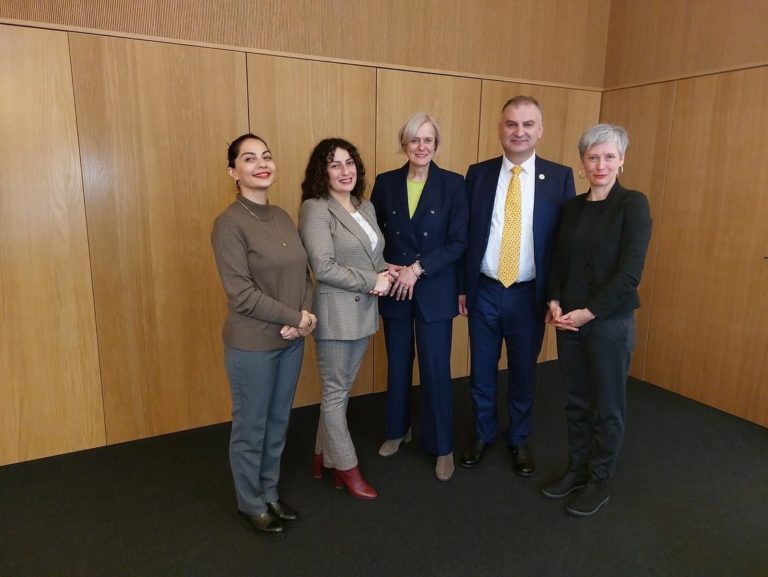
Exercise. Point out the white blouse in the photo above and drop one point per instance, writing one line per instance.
(367, 228)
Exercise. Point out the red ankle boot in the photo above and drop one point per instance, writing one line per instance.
(355, 484)
(317, 466)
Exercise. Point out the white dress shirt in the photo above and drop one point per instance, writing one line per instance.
(490, 264)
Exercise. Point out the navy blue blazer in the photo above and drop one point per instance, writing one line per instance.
(554, 185)
(613, 255)
(436, 236)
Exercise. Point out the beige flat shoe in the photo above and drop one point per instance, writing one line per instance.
(390, 446)
(444, 468)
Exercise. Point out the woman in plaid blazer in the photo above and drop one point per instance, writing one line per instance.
(344, 246)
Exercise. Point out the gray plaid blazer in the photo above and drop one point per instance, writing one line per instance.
(345, 268)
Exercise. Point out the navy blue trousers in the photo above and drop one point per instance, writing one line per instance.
(433, 342)
(510, 315)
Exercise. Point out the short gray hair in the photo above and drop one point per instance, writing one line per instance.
(411, 126)
(602, 134)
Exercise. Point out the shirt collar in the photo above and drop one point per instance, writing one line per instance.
(529, 166)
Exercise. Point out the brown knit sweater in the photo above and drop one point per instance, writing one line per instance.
(267, 284)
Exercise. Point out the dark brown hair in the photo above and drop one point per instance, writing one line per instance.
(315, 184)
(234, 148)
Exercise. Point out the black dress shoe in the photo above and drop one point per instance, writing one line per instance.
(265, 523)
(289, 515)
(522, 460)
(474, 454)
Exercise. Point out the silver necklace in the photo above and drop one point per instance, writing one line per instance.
(278, 237)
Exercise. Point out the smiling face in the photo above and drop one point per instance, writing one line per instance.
(342, 172)
(520, 128)
(421, 148)
(601, 164)
(254, 167)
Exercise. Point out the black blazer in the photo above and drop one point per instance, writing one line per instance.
(436, 236)
(613, 253)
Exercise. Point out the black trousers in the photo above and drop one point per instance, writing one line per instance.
(594, 363)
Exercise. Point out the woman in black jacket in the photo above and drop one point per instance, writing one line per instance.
(596, 268)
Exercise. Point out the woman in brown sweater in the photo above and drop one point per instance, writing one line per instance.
(263, 269)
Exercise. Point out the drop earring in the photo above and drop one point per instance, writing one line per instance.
(581, 173)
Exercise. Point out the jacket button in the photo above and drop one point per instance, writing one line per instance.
(432, 211)
(426, 234)
(394, 212)
(397, 232)
(403, 254)
(357, 299)
(418, 254)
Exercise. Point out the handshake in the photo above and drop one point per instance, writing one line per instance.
(398, 281)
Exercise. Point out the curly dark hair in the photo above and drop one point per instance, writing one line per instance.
(315, 184)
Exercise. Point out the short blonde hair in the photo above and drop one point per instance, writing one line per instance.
(411, 126)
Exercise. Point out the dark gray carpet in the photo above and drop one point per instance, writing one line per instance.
(690, 498)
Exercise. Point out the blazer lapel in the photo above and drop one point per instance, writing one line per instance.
(428, 195)
(369, 214)
(347, 221)
(540, 191)
(401, 202)
(487, 188)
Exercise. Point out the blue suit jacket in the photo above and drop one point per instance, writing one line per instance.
(554, 185)
(436, 236)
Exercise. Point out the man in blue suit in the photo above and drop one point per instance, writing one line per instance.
(515, 203)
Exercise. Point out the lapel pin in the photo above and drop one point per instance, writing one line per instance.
(542, 177)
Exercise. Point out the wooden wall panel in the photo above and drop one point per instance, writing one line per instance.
(49, 380)
(548, 41)
(293, 105)
(708, 338)
(566, 114)
(646, 113)
(660, 40)
(153, 134)
(455, 105)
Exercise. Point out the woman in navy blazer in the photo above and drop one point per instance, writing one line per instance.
(597, 265)
(422, 212)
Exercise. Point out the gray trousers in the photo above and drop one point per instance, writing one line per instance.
(338, 362)
(263, 384)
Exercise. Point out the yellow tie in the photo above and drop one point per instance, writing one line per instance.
(509, 255)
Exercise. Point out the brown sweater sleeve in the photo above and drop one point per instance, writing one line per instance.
(243, 294)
